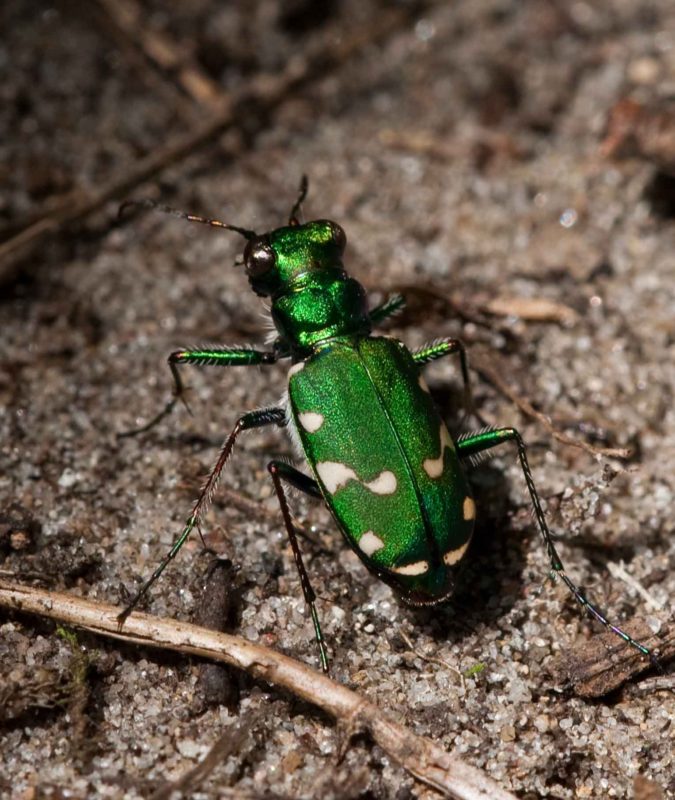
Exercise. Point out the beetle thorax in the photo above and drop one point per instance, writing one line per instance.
(313, 298)
(325, 305)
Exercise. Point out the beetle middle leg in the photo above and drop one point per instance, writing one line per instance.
(280, 470)
(254, 419)
(387, 308)
(473, 444)
(447, 347)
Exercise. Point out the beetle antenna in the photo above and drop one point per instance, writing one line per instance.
(302, 194)
(214, 223)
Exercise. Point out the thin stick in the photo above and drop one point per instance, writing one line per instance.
(661, 683)
(429, 659)
(619, 571)
(597, 667)
(229, 743)
(125, 19)
(492, 376)
(136, 58)
(421, 757)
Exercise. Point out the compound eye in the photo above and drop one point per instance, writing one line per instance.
(259, 258)
(339, 236)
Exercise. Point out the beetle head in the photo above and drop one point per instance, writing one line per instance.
(281, 261)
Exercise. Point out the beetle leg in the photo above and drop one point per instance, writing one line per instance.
(392, 305)
(254, 419)
(280, 470)
(473, 444)
(204, 356)
(446, 347)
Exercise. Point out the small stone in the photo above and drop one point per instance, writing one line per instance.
(507, 733)
(643, 70)
(542, 723)
(292, 762)
(189, 748)
(69, 478)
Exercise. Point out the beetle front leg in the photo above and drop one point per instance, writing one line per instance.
(254, 419)
(473, 444)
(212, 356)
(177, 394)
(281, 470)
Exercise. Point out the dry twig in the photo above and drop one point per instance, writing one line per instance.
(429, 659)
(453, 147)
(125, 22)
(229, 743)
(421, 757)
(535, 309)
(619, 571)
(659, 683)
(600, 666)
(487, 371)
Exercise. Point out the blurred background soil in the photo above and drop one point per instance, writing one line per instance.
(510, 168)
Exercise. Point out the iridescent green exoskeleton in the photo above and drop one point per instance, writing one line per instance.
(360, 413)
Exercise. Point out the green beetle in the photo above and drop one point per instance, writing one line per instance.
(360, 414)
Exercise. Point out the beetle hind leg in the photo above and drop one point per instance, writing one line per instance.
(470, 446)
(280, 470)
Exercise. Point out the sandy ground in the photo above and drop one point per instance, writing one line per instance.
(462, 156)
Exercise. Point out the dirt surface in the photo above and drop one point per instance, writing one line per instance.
(463, 154)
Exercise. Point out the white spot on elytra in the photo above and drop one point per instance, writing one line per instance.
(370, 543)
(434, 466)
(469, 508)
(296, 368)
(423, 385)
(333, 474)
(385, 483)
(453, 556)
(418, 568)
(311, 421)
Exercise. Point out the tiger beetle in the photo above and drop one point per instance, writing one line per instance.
(359, 411)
